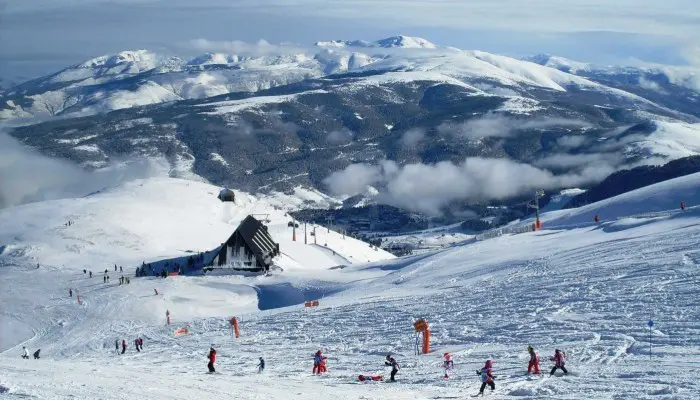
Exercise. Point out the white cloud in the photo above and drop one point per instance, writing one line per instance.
(238, 47)
(340, 136)
(27, 176)
(572, 142)
(412, 137)
(428, 188)
(497, 125)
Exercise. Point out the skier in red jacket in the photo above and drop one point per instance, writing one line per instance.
(123, 346)
(559, 362)
(212, 359)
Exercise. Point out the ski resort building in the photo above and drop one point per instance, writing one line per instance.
(249, 248)
(227, 195)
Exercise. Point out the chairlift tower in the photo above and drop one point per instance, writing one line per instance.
(329, 221)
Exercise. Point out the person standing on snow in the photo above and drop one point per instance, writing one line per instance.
(123, 346)
(319, 363)
(487, 377)
(261, 366)
(534, 363)
(448, 364)
(559, 361)
(25, 352)
(212, 359)
(391, 362)
(90, 274)
(116, 345)
(70, 292)
(36, 354)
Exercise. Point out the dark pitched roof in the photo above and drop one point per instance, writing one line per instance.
(256, 236)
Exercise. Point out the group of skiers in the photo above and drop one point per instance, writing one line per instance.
(138, 345)
(25, 353)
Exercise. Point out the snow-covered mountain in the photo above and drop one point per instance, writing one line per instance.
(285, 123)
(401, 41)
(588, 289)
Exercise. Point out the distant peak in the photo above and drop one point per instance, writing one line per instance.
(400, 41)
(556, 62)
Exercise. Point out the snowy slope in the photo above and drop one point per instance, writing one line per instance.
(587, 290)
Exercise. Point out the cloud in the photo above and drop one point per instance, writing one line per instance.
(572, 142)
(26, 176)
(574, 161)
(412, 137)
(340, 136)
(238, 47)
(502, 126)
(429, 188)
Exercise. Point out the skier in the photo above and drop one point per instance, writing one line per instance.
(90, 274)
(104, 279)
(121, 269)
(155, 290)
(123, 346)
(559, 362)
(261, 366)
(534, 363)
(448, 364)
(319, 363)
(84, 271)
(115, 267)
(487, 377)
(391, 362)
(136, 344)
(116, 345)
(141, 343)
(70, 292)
(212, 359)
(25, 352)
(36, 354)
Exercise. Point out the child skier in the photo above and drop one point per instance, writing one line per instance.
(487, 377)
(391, 362)
(212, 359)
(534, 363)
(448, 364)
(319, 363)
(261, 366)
(559, 362)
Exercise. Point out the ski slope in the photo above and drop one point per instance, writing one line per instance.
(588, 290)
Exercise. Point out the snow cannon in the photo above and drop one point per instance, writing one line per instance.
(422, 329)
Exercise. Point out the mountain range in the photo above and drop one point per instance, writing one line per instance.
(399, 120)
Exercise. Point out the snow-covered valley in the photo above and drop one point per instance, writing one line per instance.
(588, 289)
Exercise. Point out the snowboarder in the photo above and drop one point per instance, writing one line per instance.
(212, 359)
(136, 344)
(391, 362)
(487, 377)
(70, 292)
(261, 365)
(559, 362)
(319, 363)
(448, 364)
(534, 364)
(25, 352)
(36, 354)
(123, 346)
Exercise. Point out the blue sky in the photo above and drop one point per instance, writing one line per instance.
(41, 36)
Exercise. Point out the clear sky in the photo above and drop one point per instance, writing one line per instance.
(42, 36)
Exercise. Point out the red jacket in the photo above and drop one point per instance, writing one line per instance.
(212, 356)
(123, 343)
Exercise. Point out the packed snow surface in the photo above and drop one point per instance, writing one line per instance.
(589, 290)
